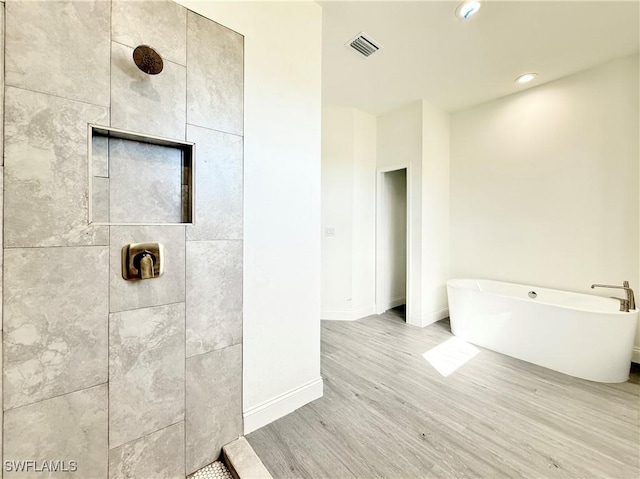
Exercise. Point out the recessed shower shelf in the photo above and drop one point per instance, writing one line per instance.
(137, 179)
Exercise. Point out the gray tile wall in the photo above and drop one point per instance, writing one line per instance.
(152, 104)
(168, 288)
(55, 321)
(215, 76)
(213, 413)
(128, 379)
(67, 58)
(72, 427)
(135, 171)
(163, 28)
(218, 185)
(139, 458)
(214, 295)
(1, 201)
(146, 371)
(45, 151)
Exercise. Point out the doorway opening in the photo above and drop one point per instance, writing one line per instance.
(392, 252)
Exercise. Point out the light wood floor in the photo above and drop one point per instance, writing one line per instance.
(387, 413)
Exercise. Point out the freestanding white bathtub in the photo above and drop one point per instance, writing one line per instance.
(578, 334)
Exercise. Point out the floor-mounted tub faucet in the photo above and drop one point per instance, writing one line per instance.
(625, 304)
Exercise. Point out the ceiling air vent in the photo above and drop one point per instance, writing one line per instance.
(364, 45)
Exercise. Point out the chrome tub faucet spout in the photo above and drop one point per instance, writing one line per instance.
(625, 304)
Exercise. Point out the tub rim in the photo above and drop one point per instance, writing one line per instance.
(631, 312)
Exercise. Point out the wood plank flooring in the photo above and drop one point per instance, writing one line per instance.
(387, 413)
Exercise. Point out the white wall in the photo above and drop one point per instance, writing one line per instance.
(393, 267)
(281, 352)
(364, 214)
(348, 209)
(544, 183)
(337, 212)
(435, 213)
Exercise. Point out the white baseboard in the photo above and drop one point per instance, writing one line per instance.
(267, 412)
(635, 357)
(426, 319)
(347, 315)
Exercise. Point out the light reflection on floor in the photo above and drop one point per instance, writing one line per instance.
(448, 356)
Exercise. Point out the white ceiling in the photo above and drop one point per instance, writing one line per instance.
(429, 53)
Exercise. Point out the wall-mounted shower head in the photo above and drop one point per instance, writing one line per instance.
(147, 59)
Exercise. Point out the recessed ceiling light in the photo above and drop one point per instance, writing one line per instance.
(467, 9)
(526, 78)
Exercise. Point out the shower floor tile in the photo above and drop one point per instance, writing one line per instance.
(215, 470)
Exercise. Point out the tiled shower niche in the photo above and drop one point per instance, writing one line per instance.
(139, 179)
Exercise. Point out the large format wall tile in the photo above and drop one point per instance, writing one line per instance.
(145, 183)
(159, 24)
(2, 16)
(218, 185)
(55, 321)
(146, 371)
(168, 288)
(158, 455)
(67, 428)
(60, 48)
(100, 156)
(100, 198)
(151, 104)
(46, 181)
(215, 72)
(214, 404)
(1, 190)
(214, 295)
(1, 391)
(1, 241)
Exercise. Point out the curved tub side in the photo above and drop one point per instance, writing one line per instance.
(589, 345)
